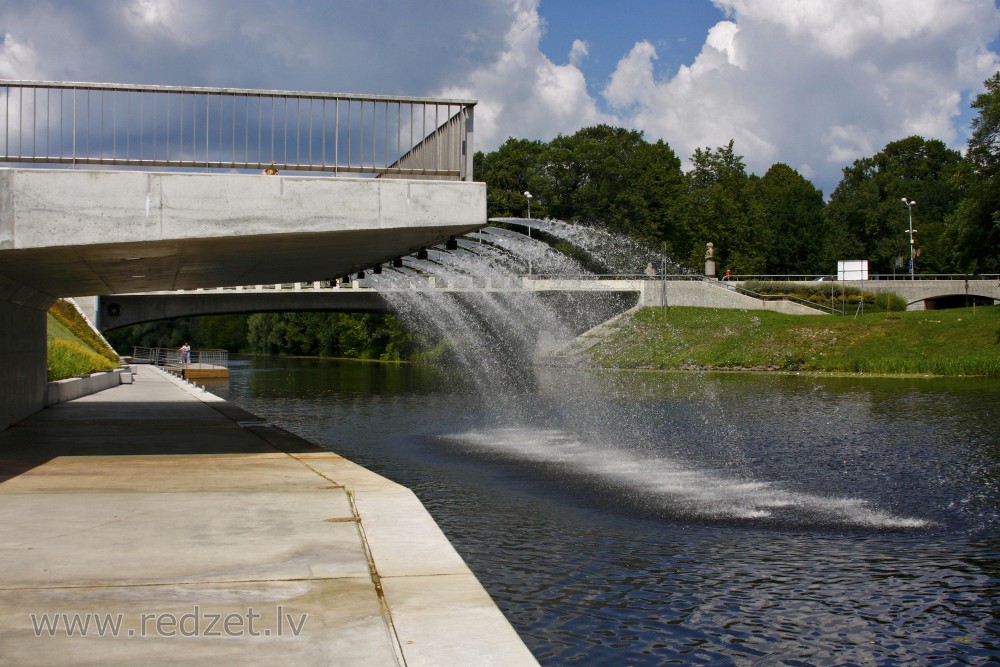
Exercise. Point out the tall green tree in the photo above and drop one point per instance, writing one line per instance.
(508, 172)
(611, 176)
(973, 229)
(717, 209)
(601, 175)
(651, 207)
(791, 223)
(869, 220)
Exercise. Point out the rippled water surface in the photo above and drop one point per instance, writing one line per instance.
(677, 518)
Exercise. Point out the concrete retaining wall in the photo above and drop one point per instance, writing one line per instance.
(701, 294)
(61, 391)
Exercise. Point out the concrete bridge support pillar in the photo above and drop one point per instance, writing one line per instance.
(23, 351)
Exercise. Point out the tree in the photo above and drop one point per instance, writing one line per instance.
(867, 217)
(792, 222)
(226, 332)
(508, 172)
(656, 196)
(973, 229)
(611, 176)
(350, 335)
(717, 210)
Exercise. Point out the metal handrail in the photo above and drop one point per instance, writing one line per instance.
(55, 122)
(170, 356)
(871, 276)
(615, 276)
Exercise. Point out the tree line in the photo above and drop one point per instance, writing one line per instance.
(346, 335)
(778, 223)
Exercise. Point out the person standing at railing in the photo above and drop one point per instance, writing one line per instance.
(185, 354)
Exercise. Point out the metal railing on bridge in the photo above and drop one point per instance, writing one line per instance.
(48, 122)
(171, 356)
(499, 282)
(872, 276)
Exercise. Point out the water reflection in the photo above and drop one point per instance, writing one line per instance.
(592, 571)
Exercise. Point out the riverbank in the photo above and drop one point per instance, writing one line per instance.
(959, 342)
(155, 523)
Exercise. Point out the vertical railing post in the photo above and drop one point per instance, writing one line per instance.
(467, 162)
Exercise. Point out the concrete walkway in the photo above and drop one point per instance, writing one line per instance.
(154, 523)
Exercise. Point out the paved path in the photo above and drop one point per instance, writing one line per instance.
(208, 536)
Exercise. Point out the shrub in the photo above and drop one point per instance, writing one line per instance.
(820, 293)
(890, 301)
(68, 316)
(67, 359)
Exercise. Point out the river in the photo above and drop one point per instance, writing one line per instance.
(630, 518)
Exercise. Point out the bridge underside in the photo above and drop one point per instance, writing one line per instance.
(78, 233)
(84, 232)
(578, 311)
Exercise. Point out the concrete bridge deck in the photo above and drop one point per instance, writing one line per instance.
(78, 233)
(217, 538)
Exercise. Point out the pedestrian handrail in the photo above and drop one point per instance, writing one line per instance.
(54, 122)
(613, 276)
(169, 356)
(871, 276)
(432, 282)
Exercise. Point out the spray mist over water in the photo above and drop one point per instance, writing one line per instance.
(494, 327)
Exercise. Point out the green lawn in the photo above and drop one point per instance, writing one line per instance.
(962, 341)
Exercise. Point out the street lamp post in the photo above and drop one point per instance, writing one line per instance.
(528, 195)
(909, 209)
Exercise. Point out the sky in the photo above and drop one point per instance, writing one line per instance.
(814, 84)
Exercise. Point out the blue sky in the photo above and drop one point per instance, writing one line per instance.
(676, 27)
(815, 84)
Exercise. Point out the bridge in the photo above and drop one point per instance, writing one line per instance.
(115, 311)
(113, 189)
(933, 292)
(584, 300)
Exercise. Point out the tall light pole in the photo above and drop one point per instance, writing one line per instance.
(528, 195)
(909, 209)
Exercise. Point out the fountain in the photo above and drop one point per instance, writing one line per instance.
(563, 423)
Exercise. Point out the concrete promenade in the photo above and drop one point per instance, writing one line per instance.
(186, 530)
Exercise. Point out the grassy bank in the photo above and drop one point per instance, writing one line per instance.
(939, 342)
(73, 347)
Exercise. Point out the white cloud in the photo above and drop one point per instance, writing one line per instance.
(17, 59)
(633, 79)
(815, 83)
(522, 93)
(294, 44)
(579, 52)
